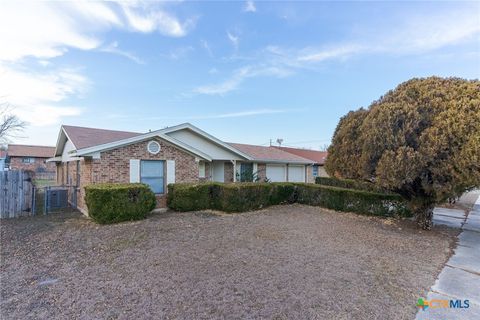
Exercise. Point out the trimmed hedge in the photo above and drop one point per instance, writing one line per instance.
(359, 201)
(113, 202)
(235, 197)
(239, 197)
(350, 184)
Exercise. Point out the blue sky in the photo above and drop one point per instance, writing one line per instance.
(242, 71)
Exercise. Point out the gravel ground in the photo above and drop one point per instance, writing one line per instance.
(285, 262)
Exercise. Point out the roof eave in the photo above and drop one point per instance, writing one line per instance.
(90, 151)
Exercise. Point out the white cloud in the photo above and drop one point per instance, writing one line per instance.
(234, 39)
(330, 53)
(213, 71)
(249, 6)
(415, 35)
(422, 33)
(148, 20)
(240, 114)
(113, 48)
(35, 97)
(38, 30)
(180, 53)
(207, 48)
(47, 29)
(419, 34)
(44, 30)
(241, 75)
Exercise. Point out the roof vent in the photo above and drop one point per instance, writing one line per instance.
(153, 147)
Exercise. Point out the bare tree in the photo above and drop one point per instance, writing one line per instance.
(10, 124)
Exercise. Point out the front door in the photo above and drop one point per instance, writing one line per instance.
(218, 171)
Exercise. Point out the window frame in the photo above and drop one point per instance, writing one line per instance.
(28, 160)
(243, 172)
(317, 167)
(202, 168)
(163, 177)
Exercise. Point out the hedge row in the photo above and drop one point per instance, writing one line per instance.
(350, 184)
(236, 197)
(239, 197)
(351, 200)
(113, 202)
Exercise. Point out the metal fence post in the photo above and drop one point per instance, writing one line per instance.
(45, 198)
(34, 200)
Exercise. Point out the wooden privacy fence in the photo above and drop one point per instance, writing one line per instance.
(16, 193)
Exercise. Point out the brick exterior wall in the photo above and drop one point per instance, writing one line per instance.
(228, 172)
(114, 167)
(39, 164)
(310, 177)
(322, 172)
(262, 171)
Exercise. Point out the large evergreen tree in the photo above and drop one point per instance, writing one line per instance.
(421, 140)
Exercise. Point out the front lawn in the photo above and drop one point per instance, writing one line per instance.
(285, 262)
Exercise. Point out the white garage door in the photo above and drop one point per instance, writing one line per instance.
(276, 172)
(296, 173)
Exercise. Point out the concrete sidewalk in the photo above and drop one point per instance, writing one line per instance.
(460, 278)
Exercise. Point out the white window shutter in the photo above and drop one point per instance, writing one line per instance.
(170, 171)
(134, 170)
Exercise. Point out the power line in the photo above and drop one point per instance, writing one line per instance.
(309, 141)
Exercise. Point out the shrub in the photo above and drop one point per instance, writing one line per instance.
(420, 140)
(358, 201)
(350, 184)
(111, 202)
(240, 197)
(190, 197)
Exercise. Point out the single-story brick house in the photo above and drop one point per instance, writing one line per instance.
(317, 157)
(183, 153)
(30, 157)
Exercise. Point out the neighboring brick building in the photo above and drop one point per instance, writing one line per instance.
(182, 153)
(32, 158)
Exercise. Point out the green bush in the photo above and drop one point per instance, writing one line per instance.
(190, 197)
(358, 201)
(240, 197)
(112, 202)
(350, 184)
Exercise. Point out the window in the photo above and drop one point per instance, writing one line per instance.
(153, 147)
(201, 169)
(152, 173)
(246, 172)
(28, 160)
(315, 171)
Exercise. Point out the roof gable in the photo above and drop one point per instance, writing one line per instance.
(82, 137)
(214, 150)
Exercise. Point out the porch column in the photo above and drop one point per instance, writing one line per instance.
(234, 170)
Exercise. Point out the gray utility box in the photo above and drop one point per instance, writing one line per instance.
(56, 198)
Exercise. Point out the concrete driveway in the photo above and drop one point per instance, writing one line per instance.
(460, 278)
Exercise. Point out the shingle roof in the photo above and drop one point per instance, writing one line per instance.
(268, 153)
(20, 150)
(3, 154)
(318, 157)
(88, 137)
